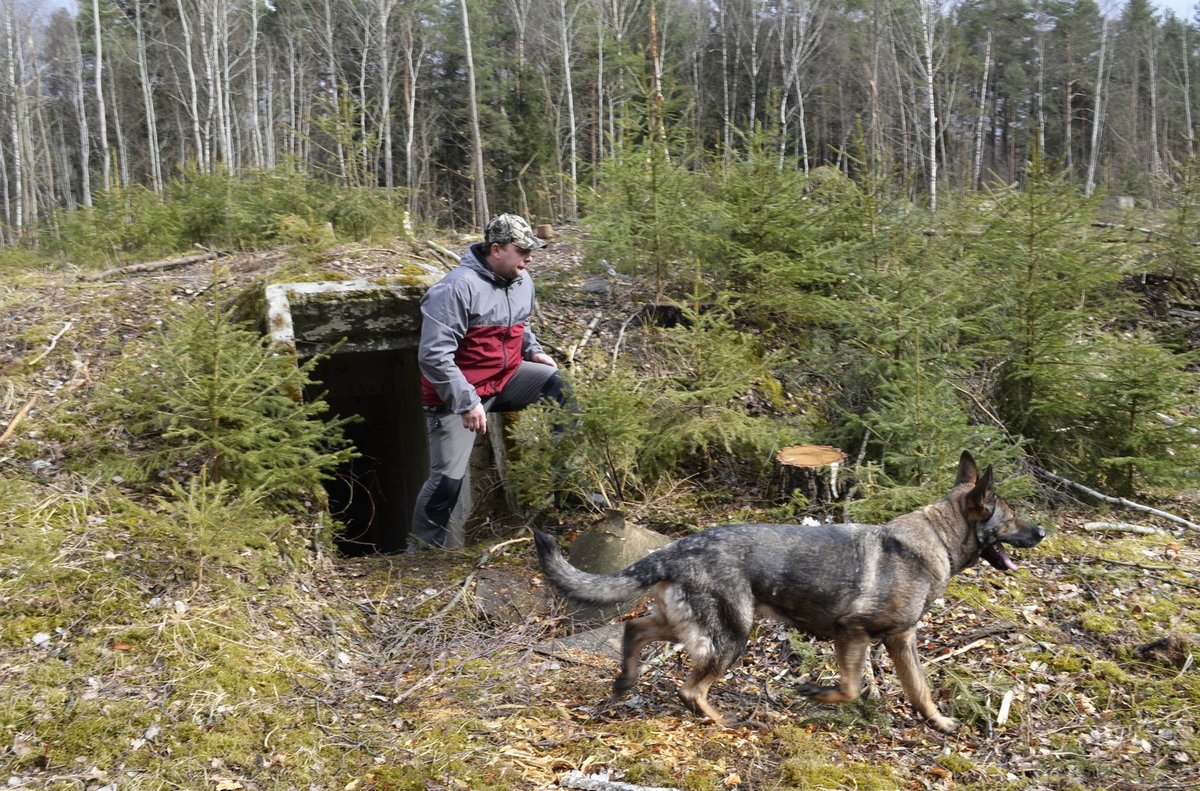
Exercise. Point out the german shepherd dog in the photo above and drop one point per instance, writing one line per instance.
(850, 583)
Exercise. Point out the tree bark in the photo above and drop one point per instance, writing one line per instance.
(480, 188)
(977, 167)
(101, 115)
(564, 37)
(1089, 185)
(152, 149)
(193, 104)
(15, 215)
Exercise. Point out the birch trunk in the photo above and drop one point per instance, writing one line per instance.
(928, 31)
(480, 188)
(226, 113)
(334, 85)
(152, 148)
(257, 150)
(119, 133)
(414, 55)
(977, 169)
(85, 153)
(726, 98)
(15, 214)
(98, 85)
(384, 9)
(1190, 137)
(798, 42)
(564, 39)
(193, 105)
(1155, 154)
(1089, 185)
(1069, 114)
(1040, 40)
(6, 235)
(208, 55)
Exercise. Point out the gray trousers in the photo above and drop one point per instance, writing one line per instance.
(442, 506)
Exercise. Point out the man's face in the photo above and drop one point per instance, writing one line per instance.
(509, 261)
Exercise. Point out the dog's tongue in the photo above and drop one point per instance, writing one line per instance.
(995, 554)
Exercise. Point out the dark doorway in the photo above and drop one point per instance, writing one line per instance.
(373, 495)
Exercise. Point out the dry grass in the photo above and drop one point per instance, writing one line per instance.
(288, 668)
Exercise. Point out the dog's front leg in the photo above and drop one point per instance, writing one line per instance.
(851, 652)
(903, 650)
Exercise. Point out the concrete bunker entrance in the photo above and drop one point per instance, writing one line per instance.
(368, 333)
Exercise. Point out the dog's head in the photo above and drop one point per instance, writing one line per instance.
(993, 519)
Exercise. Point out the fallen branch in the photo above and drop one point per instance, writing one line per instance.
(601, 781)
(12, 424)
(1121, 501)
(587, 334)
(53, 342)
(463, 587)
(620, 337)
(1120, 527)
(444, 256)
(151, 266)
(968, 647)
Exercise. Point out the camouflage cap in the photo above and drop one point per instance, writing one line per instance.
(511, 228)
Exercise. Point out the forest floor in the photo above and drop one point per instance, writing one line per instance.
(455, 670)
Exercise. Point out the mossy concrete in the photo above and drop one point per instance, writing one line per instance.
(360, 315)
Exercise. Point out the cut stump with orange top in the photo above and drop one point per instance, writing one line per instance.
(813, 469)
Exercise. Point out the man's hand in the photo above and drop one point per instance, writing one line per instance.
(475, 420)
(544, 359)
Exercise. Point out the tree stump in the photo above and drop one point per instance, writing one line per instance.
(811, 469)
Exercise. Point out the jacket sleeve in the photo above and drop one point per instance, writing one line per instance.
(445, 312)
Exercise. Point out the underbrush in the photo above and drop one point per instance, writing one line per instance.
(172, 630)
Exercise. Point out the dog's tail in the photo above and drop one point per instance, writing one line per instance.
(584, 587)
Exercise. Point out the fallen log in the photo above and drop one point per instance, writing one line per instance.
(151, 266)
(1121, 501)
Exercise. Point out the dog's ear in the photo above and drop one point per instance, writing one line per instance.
(984, 491)
(968, 472)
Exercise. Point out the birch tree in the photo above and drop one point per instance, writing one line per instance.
(926, 49)
(152, 143)
(193, 92)
(977, 166)
(566, 26)
(802, 22)
(413, 48)
(1089, 184)
(480, 188)
(14, 213)
(98, 84)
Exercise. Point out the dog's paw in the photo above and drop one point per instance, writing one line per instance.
(945, 724)
(623, 685)
(823, 694)
(734, 723)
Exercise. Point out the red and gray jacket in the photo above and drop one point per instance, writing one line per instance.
(474, 333)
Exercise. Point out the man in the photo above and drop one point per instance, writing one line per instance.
(477, 354)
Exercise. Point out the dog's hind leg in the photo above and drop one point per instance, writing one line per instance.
(639, 633)
(694, 692)
(851, 652)
(903, 650)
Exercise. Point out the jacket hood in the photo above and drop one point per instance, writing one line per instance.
(475, 258)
